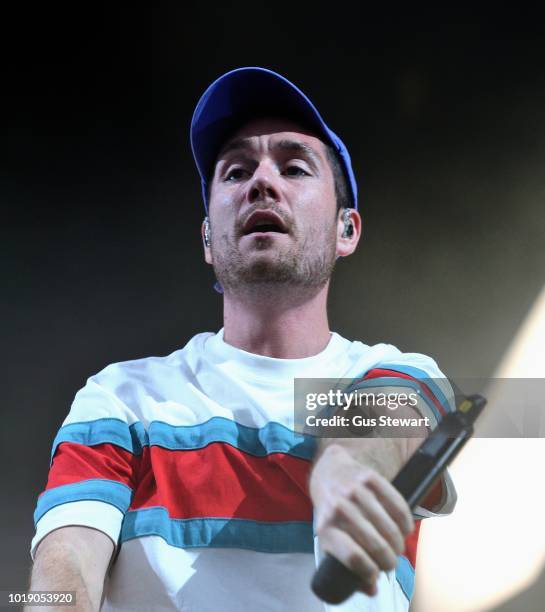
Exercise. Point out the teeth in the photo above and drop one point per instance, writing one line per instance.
(262, 223)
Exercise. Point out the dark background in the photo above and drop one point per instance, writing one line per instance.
(101, 252)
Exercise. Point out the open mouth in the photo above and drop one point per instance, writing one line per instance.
(264, 222)
(265, 228)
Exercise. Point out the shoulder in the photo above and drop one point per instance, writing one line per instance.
(384, 354)
(145, 370)
(417, 364)
(120, 389)
(385, 364)
(420, 372)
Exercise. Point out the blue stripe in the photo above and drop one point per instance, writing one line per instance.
(426, 379)
(397, 382)
(103, 431)
(95, 489)
(405, 576)
(273, 438)
(277, 537)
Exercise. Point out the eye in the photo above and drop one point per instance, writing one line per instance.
(296, 171)
(235, 174)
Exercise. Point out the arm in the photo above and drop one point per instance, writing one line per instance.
(73, 559)
(360, 518)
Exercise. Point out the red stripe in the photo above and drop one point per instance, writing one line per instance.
(411, 544)
(380, 372)
(222, 481)
(434, 497)
(218, 480)
(75, 462)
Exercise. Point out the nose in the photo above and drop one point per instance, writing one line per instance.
(263, 185)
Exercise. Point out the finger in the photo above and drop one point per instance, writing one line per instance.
(375, 512)
(393, 502)
(341, 546)
(369, 589)
(362, 530)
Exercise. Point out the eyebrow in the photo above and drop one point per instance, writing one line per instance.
(299, 147)
(295, 146)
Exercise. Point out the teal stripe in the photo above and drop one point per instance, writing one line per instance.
(95, 489)
(405, 576)
(397, 382)
(273, 438)
(424, 377)
(103, 431)
(277, 537)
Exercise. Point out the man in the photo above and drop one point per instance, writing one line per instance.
(178, 482)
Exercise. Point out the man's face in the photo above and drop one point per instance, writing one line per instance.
(272, 208)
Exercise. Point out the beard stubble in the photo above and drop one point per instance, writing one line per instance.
(306, 265)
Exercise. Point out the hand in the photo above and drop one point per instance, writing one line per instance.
(361, 519)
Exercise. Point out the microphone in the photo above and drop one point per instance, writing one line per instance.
(333, 582)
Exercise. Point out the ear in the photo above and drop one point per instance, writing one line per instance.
(206, 247)
(348, 241)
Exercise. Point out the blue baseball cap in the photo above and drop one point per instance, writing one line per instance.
(244, 93)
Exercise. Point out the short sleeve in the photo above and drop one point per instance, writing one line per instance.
(94, 465)
(435, 398)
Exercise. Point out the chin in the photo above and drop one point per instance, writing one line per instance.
(269, 269)
(264, 242)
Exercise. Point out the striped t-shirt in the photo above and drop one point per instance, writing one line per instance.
(191, 465)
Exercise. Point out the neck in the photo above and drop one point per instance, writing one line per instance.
(266, 325)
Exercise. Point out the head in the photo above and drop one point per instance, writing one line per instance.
(279, 191)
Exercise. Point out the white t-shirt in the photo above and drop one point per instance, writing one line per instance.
(190, 464)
